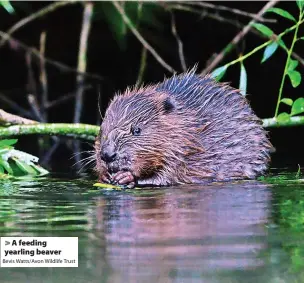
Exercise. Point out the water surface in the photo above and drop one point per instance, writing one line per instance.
(246, 231)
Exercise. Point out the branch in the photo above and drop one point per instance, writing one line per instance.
(142, 67)
(179, 44)
(236, 39)
(141, 39)
(256, 17)
(80, 131)
(34, 16)
(7, 118)
(274, 123)
(82, 58)
(43, 78)
(221, 19)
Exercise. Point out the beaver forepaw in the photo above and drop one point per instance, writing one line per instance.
(124, 178)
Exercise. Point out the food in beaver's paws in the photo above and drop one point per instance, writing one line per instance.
(110, 186)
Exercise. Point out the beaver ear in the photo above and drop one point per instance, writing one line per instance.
(168, 105)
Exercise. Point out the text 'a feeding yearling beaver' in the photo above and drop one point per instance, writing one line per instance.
(187, 129)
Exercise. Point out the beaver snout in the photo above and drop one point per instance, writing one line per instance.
(108, 153)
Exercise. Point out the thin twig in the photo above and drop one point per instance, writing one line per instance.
(236, 39)
(43, 78)
(82, 65)
(235, 11)
(31, 86)
(17, 43)
(179, 43)
(64, 98)
(52, 7)
(15, 106)
(142, 67)
(82, 59)
(8, 118)
(141, 39)
(35, 107)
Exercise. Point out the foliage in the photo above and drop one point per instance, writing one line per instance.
(290, 70)
(7, 6)
(138, 12)
(17, 163)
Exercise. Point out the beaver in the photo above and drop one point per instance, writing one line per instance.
(187, 129)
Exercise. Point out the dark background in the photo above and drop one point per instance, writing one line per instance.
(202, 37)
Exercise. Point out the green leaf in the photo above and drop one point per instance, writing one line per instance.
(297, 106)
(269, 51)
(282, 13)
(1, 169)
(301, 38)
(263, 29)
(24, 167)
(283, 117)
(295, 78)
(243, 80)
(292, 64)
(7, 6)
(282, 44)
(287, 101)
(6, 166)
(5, 143)
(39, 169)
(219, 72)
(300, 4)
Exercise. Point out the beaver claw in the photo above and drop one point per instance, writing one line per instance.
(124, 178)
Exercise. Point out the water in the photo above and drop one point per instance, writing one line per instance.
(234, 232)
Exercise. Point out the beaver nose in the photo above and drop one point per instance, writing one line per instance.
(108, 154)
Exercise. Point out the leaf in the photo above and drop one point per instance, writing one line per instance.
(282, 13)
(283, 117)
(282, 43)
(292, 64)
(300, 4)
(219, 72)
(24, 167)
(6, 166)
(269, 51)
(7, 6)
(243, 80)
(5, 143)
(102, 185)
(1, 169)
(40, 169)
(287, 101)
(302, 38)
(297, 106)
(263, 29)
(295, 78)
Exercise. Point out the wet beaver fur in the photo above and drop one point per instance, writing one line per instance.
(187, 129)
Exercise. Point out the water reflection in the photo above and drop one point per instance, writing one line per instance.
(159, 236)
(216, 233)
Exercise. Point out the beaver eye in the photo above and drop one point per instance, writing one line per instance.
(135, 131)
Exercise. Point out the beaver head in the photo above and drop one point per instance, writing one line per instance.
(144, 132)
